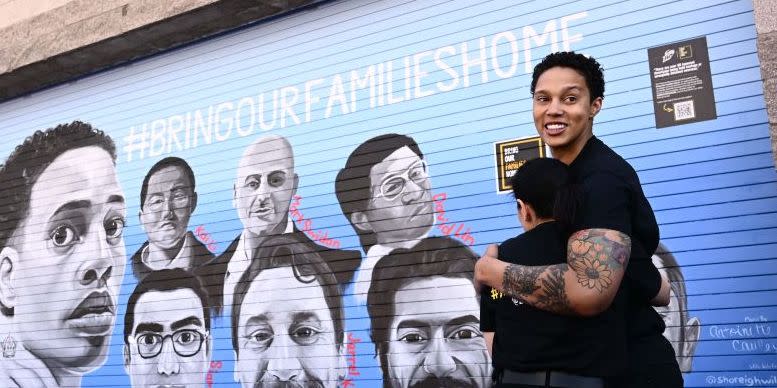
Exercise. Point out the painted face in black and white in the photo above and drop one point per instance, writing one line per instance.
(169, 202)
(265, 183)
(682, 331)
(435, 340)
(401, 206)
(169, 346)
(70, 254)
(285, 334)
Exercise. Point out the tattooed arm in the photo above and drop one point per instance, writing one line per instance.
(585, 285)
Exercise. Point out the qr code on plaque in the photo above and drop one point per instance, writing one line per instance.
(684, 110)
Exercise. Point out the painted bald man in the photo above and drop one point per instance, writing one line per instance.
(264, 186)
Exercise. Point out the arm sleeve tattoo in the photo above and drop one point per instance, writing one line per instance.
(596, 261)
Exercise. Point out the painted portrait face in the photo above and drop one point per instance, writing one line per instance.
(169, 346)
(435, 339)
(401, 205)
(563, 109)
(682, 334)
(264, 186)
(286, 335)
(170, 201)
(71, 261)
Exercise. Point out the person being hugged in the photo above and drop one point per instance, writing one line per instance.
(529, 346)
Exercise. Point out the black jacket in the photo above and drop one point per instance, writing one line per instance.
(200, 257)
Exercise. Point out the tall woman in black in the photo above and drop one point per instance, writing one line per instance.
(531, 347)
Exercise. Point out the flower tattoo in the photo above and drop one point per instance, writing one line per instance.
(596, 259)
(593, 273)
(595, 254)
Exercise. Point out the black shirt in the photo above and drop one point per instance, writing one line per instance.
(528, 339)
(614, 200)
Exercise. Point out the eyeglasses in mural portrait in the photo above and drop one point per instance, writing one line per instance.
(167, 201)
(682, 330)
(425, 317)
(62, 217)
(384, 191)
(287, 319)
(167, 340)
(263, 189)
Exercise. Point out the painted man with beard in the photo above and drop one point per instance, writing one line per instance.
(287, 319)
(263, 189)
(385, 193)
(62, 260)
(425, 317)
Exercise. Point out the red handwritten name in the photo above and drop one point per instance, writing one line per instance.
(206, 238)
(307, 226)
(351, 360)
(215, 366)
(452, 228)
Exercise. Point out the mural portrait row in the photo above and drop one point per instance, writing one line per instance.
(284, 297)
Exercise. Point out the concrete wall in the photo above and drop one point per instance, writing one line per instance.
(766, 26)
(48, 42)
(16, 11)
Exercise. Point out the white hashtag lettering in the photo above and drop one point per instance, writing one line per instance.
(136, 142)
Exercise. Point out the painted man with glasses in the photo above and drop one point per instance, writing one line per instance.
(385, 192)
(287, 319)
(167, 331)
(167, 201)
